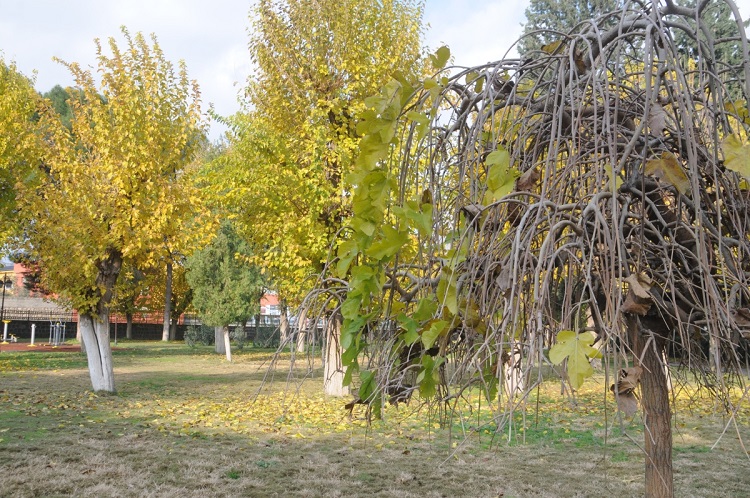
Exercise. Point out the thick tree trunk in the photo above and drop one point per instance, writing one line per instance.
(333, 370)
(167, 303)
(219, 345)
(222, 341)
(129, 325)
(95, 334)
(657, 416)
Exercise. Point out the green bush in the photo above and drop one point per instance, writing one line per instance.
(196, 334)
(239, 337)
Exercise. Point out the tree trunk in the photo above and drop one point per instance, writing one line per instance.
(283, 327)
(301, 331)
(219, 344)
(512, 375)
(333, 370)
(79, 336)
(95, 335)
(225, 339)
(173, 330)
(657, 416)
(129, 325)
(167, 303)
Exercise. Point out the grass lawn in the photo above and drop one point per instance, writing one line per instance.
(187, 423)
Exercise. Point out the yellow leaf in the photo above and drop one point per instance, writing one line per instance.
(736, 155)
(668, 169)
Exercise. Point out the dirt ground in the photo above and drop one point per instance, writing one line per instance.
(38, 348)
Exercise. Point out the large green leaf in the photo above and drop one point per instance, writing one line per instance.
(409, 325)
(391, 242)
(426, 308)
(447, 291)
(441, 57)
(500, 175)
(576, 348)
(431, 335)
(368, 385)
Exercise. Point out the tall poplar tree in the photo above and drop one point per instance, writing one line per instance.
(291, 151)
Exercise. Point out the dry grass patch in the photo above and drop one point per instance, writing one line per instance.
(186, 423)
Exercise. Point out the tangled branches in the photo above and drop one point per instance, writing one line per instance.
(590, 187)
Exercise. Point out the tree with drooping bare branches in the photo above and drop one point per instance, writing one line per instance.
(578, 203)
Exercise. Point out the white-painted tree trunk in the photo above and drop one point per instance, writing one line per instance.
(79, 336)
(95, 334)
(167, 303)
(283, 327)
(219, 345)
(512, 375)
(222, 342)
(227, 345)
(333, 370)
(301, 331)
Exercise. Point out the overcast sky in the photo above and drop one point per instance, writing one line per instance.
(211, 36)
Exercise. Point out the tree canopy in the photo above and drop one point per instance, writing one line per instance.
(548, 20)
(290, 151)
(226, 287)
(21, 145)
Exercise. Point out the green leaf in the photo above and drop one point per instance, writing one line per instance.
(347, 252)
(414, 216)
(364, 226)
(430, 335)
(576, 348)
(349, 331)
(351, 305)
(500, 176)
(440, 59)
(391, 242)
(426, 309)
(446, 290)
(736, 155)
(409, 325)
(427, 378)
(368, 385)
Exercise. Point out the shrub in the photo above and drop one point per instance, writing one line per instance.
(202, 334)
(239, 337)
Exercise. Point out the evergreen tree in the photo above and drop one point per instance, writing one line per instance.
(59, 98)
(717, 16)
(547, 19)
(226, 288)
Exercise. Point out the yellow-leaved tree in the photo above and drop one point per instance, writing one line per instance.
(21, 147)
(115, 183)
(285, 170)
